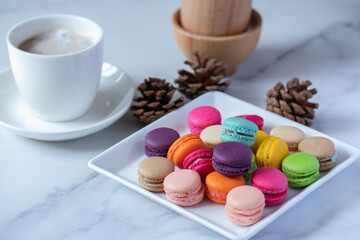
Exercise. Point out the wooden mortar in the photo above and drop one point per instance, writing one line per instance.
(215, 17)
(232, 50)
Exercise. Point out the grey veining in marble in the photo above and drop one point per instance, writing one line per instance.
(47, 190)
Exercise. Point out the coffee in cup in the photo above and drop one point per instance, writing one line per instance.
(56, 61)
(55, 42)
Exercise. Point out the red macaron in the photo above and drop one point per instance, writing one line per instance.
(202, 117)
(200, 161)
(272, 182)
(259, 121)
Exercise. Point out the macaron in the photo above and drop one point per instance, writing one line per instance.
(184, 187)
(259, 121)
(258, 140)
(301, 169)
(217, 186)
(159, 140)
(152, 172)
(271, 152)
(323, 149)
(200, 161)
(182, 147)
(272, 182)
(248, 175)
(291, 135)
(244, 205)
(202, 117)
(211, 136)
(232, 158)
(239, 130)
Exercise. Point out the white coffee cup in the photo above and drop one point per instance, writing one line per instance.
(57, 87)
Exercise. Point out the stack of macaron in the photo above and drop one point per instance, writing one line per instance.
(217, 158)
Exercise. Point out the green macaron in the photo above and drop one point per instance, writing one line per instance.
(301, 169)
(239, 130)
(248, 175)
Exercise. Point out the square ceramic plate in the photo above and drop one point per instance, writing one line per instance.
(121, 160)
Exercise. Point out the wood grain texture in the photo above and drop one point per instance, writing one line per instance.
(232, 50)
(215, 17)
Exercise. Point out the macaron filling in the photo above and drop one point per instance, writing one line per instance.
(237, 213)
(196, 161)
(238, 133)
(143, 180)
(295, 175)
(228, 170)
(245, 167)
(334, 156)
(183, 198)
(197, 196)
(275, 199)
(238, 129)
(301, 181)
(216, 195)
(152, 152)
(237, 166)
(275, 195)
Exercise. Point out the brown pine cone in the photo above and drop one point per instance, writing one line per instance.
(207, 76)
(292, 101)
(154, 101)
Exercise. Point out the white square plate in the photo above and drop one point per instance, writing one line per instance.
(121, 160)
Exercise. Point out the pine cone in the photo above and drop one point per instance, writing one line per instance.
(208, 72)
(293, 102)
(155, 100)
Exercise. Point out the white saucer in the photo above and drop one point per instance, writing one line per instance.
(112, 101)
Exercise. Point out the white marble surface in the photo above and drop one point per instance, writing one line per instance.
(47, 190)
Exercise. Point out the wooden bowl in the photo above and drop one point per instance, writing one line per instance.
(232, 50)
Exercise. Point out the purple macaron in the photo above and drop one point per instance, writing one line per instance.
(232, 158)
(159, 140)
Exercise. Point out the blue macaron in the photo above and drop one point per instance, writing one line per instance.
(239, 130)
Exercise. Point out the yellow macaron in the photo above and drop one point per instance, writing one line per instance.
(258, 140)
(271, 152)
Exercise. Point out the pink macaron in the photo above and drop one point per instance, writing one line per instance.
(200, 161)
(272, 182)
(244, 205)
(259, 121)
(184, 187)
(202, 117)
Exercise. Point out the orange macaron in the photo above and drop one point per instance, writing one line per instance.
(217, 186)
(182, 147)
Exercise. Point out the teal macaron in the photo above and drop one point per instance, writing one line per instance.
(301, 169)
(239, 130)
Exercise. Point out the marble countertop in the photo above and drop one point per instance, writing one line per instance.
(48, 191)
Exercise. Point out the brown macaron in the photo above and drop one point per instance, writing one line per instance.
(291, 135)
(152, 172)
(322, 148)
